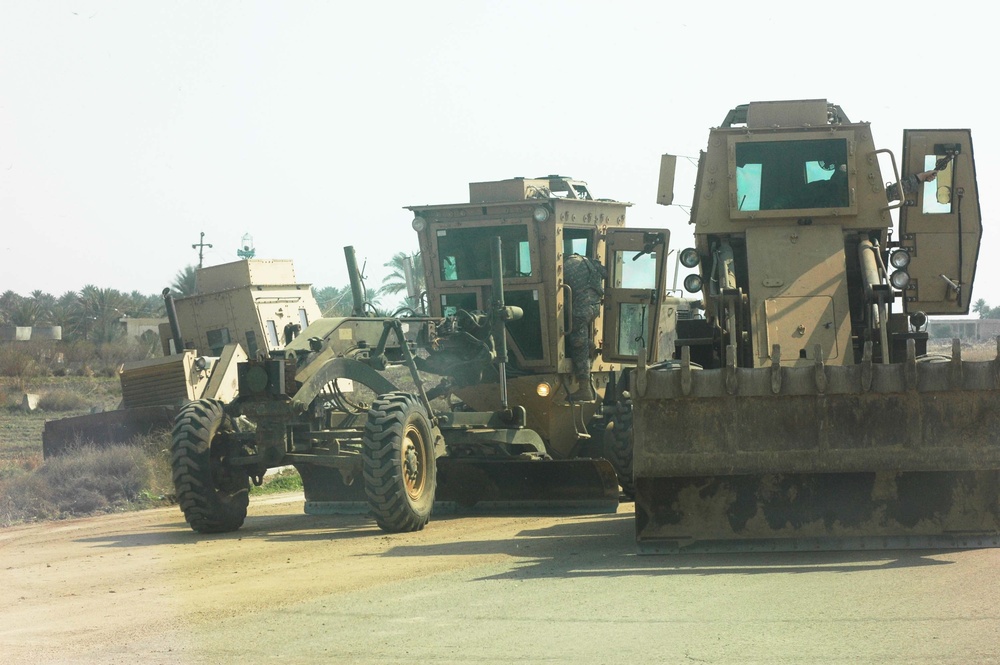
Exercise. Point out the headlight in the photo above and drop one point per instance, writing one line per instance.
(689, 257)
(257, 379)
(543, 389)
(540, 214)
(918, 320)
(899, 279)
(419, 224)
(692, 283)
(899, 259)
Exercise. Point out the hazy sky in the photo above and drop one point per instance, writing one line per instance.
(128, 128)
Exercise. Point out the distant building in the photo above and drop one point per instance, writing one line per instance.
(27, 333)
(964, 328)
(137, 327)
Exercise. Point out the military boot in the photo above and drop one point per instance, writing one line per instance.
(585, 393)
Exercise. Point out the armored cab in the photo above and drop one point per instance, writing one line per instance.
(540, 222)
(803, 410)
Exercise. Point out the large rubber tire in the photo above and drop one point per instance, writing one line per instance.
(618, 445)
(213, 498)
(399, 466)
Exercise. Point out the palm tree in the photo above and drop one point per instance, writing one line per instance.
(27, 312)
(981, 308)
(44, 304)
(140, 305)
(9, 302)
(63, 314)
(98, 312)
(184, 283)
(395, 282)
(334, 301)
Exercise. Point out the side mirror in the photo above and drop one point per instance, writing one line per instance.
(665, 191)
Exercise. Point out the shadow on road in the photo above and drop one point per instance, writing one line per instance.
(604, 546)
(268, 527)
(576, 546)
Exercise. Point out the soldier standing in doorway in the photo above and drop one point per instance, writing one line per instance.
(585, 277)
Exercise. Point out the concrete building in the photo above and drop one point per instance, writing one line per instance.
(966, 329)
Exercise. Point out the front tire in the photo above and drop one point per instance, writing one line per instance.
(399, 465)
(618, 447)
(213, 497)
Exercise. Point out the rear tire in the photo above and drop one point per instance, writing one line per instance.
(213, 497)
(399, 466)
(618, 445)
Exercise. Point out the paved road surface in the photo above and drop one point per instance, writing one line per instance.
(142, 588)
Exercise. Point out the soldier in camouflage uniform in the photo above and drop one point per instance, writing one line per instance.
(585, 277)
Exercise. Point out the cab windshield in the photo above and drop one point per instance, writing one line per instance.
(465, 252)
(788, 175)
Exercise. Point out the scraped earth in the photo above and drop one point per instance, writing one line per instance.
(141, 587)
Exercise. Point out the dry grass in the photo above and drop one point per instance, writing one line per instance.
(27, 489)
(21, 432)
(61, 400)
(971, 351)
(90, 480)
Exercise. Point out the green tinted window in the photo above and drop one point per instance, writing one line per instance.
(789, 175)
(466, 253)
(526, 331)
(451, 302)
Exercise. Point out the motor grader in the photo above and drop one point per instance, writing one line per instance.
(463, 406)
(239, 309)
(803, 411)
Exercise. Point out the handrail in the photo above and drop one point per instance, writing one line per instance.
(899, 185)
(568, 300)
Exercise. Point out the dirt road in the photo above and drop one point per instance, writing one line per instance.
(141, 587)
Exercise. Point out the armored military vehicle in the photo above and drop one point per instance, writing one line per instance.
(803, 411)
(467, 406)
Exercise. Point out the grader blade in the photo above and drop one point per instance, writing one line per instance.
(483, 486)
(867, 456)
(526, 486)
(326, 493)
(822, 511)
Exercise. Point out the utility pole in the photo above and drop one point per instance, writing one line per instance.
(201, 249)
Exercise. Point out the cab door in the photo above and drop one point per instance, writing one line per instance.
(941, 226)
(635, 289)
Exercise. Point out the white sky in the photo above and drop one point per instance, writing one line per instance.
(127, 128)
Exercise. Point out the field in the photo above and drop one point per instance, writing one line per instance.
(92, 479)
(971, 351)
(21, 432)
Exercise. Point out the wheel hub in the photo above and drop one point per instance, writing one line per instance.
(412, 471)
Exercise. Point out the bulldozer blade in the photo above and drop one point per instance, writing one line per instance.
(105, 428)
(903, 455)
(526, 486)
(483, 486)
(326, 493)
(821, 511)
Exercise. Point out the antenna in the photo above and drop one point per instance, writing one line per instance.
(200, 246)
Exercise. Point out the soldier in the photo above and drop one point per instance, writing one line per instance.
(585, 277)
(291, 331)
(911, 184)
